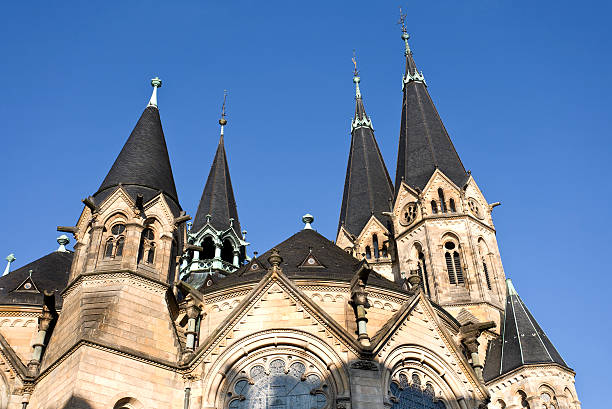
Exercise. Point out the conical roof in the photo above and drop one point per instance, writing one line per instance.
(367, 187)
(424, 143)
(521, 342)
(218, 196)
(143, 165)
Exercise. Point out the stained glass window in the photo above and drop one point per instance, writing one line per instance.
(412, 396)
(278, 388)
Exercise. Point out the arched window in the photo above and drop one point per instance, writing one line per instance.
(108, 250)
(523, 399)
(375, 246)
(451, 205)
(453, 263)
(146, 251)
(283, 385)
(208, 246)
(384, 250)
(368, 252)
(442, 201)
(410, 395)
(434, 207)
(114, 244)
(548, 398)
(423, 273)
(484, 256)
(227, 251)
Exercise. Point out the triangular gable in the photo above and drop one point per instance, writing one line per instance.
(27, 286)
(387, 337)
(311, 261)
(274, 282)
(438, 173)
(373, 223)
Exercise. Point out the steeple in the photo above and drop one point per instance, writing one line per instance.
(522, 340)
(367, 187)
(217, 204)
(143, 166)
(424, 144)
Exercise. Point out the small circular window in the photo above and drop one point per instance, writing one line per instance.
(475, 208)
(408, 214)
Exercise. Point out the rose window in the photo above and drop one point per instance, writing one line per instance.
(280, 386)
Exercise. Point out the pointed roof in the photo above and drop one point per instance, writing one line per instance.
(218, 196)
(143, 165)
(367, 187)
(424, 143)
(522, 341)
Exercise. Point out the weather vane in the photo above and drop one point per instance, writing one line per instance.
(402, 20)
(355, 64)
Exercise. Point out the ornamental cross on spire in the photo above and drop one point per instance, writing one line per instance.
(405, 35)
(223, 121)
(356, 78)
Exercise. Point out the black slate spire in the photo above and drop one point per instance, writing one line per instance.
(218, 196)
(522, 341)
(424, 144)
(143, 165)
(367, 187)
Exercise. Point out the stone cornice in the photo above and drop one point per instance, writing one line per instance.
(443, 216)
(514, 372)
(117, 275)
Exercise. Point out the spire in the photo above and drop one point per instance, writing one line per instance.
(217, 204)
(10, 258)
(522, 340)
(424, 144)
(367, 187)
(143, 165)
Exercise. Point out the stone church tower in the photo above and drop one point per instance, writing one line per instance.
(409, 308)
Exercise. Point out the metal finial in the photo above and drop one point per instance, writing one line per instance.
(356, 78)
(405, 35)
(156, 83)
(10, 258)
(223, 121)
(62, 241)
(307, 219)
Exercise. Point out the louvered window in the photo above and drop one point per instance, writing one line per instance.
(450, 268)
(434, 207)
(114, 245)
(423, 272)
(108, 250)
(368, 252)
(453, 263)
(486, 272)
(451, 204)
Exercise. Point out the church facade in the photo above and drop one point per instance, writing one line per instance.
(409, 307)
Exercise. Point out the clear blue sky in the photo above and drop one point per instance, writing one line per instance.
(522, 87)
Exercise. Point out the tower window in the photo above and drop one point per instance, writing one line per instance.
(434, 207)
(368, 252)
(375, 246)
(423, 273)
(146, 252)
(486, 272)
(451, 205)
(384, 251)
(453, 263)
(227, 251)
(208, 247)
(114, 245)
(442, 201)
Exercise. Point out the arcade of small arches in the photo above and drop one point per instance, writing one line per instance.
(545, 398)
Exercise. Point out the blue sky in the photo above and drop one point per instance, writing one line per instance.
(522, 87)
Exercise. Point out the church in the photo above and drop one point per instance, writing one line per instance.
(408, 307)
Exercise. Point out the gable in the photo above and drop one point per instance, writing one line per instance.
(275, 304)
(418, 326)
